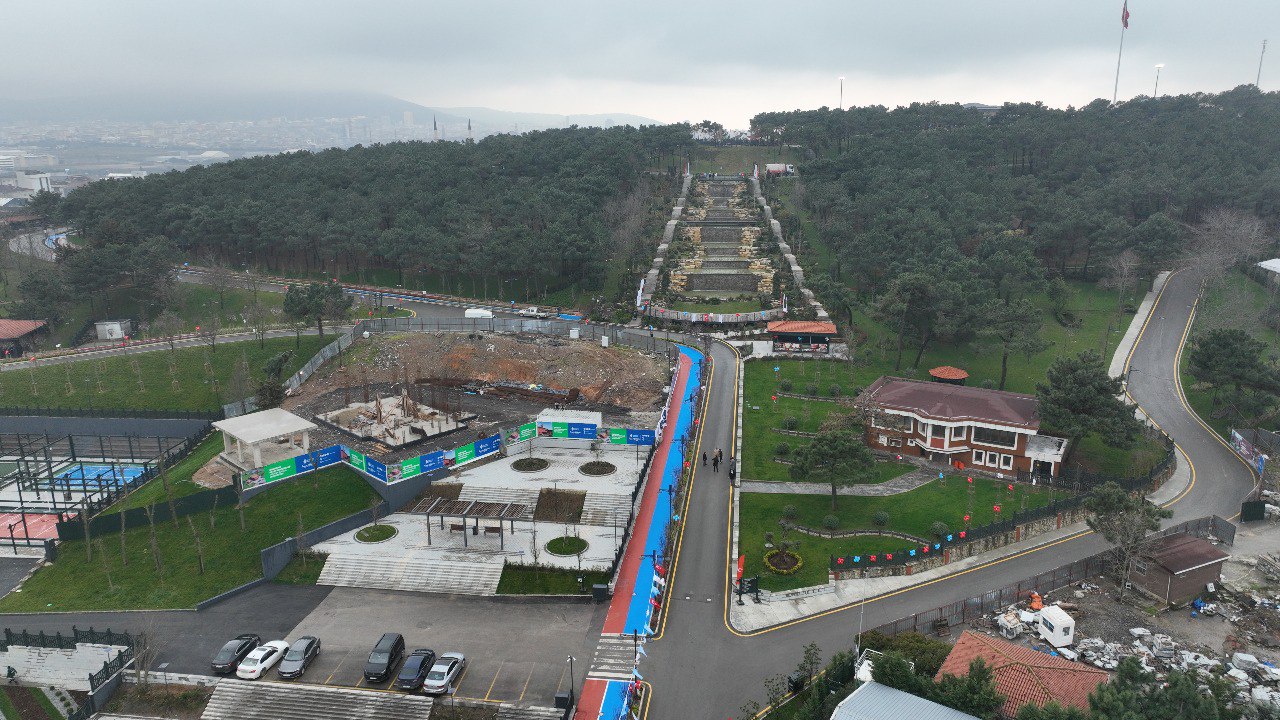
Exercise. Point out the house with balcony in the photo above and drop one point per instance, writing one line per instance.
(963, 426)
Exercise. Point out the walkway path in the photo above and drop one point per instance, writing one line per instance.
(898, 485)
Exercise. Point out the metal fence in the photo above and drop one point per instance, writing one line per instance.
(111, 667)
(107, 412)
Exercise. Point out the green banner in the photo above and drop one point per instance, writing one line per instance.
(559, 430)
(279, 470)
(528, 431)
(617, 436)
(466, 453)
(409, 468)
(357, 460)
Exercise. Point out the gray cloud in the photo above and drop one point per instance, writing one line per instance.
(669, 60)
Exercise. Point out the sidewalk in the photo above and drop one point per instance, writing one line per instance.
(777, 608)
(900, 484)
(1130, 338)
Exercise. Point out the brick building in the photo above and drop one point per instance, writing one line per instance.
(1177, 567)
(964, 426)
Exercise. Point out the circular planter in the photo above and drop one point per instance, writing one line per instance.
(598, 468)
(783, 563)
(567, 546)
(376, 533)
(530, 464)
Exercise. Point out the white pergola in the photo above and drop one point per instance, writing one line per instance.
(250, 432)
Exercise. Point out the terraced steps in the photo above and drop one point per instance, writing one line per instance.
(263, 700)
(461, 576)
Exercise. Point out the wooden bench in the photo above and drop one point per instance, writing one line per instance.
(457, 527)
(493, 530)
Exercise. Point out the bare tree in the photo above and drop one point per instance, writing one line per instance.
(220, 278)
(1224, 237)
(208, 333)
(1124, 269)
(124, 553)
(84, 520)
(168, 493)
(195, 535)
(238, 483)
(150, 510)
(167, 324)
(300, 538)
(106, 567)
(213, 514)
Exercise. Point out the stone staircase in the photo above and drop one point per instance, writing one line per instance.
(469, 576)
(264, 700)
(521, 496)
(528, 712)
(604, 508)
(53, 667)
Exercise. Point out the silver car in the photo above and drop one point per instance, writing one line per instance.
(444, 673)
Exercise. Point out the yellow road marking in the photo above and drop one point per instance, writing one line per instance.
(458, 683)
(525, 689)
(648, 695)
(491, 682)
(560, 682)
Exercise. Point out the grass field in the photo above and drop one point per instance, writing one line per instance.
(302, 570)
(525, 580)
(179, 476)
(911, 512)
(195, 369)
(734, 159)
(1235, 301)
(231, 556)
(724, 306)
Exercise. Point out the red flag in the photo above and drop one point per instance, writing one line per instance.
(1124, 15)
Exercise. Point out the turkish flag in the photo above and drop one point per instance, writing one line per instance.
(1124, 15)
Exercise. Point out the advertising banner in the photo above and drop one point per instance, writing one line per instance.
(279, 470)
(461, 456)
(331, 455)
(488, 446)
(640, 437)
(354, 458)
(432, 461)
(410, 468)
(582, 431)
(375, 469)
(553, 429)
(617, 436)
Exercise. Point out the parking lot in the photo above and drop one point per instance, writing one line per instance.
(516, 651)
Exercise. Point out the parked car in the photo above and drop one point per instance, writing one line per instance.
(233, 652)
(478, 313)
(298, 659)
(444, 674)
(385, 658)
(261, 659)
(415, 669)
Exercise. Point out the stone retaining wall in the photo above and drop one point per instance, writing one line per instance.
(797, 273)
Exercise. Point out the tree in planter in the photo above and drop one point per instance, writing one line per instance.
(1081, 398)
(1124, 520)
(835, 456)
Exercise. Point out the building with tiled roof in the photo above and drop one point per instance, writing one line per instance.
(1176, 568)
(873, 701)
(1024, 676)
(17, 336)
(801, 336)
(961, 425)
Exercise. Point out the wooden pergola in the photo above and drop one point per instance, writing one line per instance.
(471, 511)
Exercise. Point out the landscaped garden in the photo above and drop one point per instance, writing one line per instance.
(530, 580)
(914, 513)
(106, 581)
(179, 478)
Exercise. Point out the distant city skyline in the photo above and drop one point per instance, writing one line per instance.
(665, 60)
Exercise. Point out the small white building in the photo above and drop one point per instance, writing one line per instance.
(113, 329)
(260, 438)
(1056, 627)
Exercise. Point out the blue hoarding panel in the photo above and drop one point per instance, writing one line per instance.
(490, 445)
(586, 431)
(432, 461)
(640, 437)
(375, 468)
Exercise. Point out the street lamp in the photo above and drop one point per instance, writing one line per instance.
(1156, 93)
(573, 692)
(841, 106)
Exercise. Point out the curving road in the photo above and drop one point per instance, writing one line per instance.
(700, 667)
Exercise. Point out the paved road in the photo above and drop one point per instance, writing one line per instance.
(692, 681)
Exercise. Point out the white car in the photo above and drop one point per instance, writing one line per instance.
(263, 658)
(444, 673)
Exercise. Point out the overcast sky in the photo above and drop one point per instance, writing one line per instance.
(667, 60)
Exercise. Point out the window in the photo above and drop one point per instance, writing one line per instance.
(1140, 567)
(979, 457)
(993, 459)
(999, 438)
(895, 442)
(937, 431)
(884, 439)
(957, 433)
(886, 421)
(1006, 462)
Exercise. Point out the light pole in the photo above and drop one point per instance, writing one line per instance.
(1156, 93)
(573, 688)
(841, 92)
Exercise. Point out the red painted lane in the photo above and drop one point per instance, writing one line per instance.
(620, 605)
(591, 699)
(39, 525)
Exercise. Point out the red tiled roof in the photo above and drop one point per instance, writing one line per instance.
(1181, 552)
(946, 372)
(951, 403)
(14, 329)
(802, 326)
(1024, 676)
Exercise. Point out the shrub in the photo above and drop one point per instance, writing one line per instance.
(831, 522)
(881, 518)
(790, 423)
(789, 512)
(783, 449)
(834, 390)
(940, 529)
(811, 389)
(784, 385)
(771, 557)
(989, 384)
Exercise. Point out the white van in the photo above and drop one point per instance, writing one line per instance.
(478, 313)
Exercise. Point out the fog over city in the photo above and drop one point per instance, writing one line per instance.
(669, 61)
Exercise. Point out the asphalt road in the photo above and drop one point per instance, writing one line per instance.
(702, 668)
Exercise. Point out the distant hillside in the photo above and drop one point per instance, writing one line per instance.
(542, 121)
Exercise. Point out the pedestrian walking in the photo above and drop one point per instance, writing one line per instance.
(733, 474)
(715, 464)
(704, 458)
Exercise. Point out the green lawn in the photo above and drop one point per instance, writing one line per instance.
(179, 477)
(724, 306)
(231, 556)
(734, 159)
(194, 368)
(1234, 301)
(912, 512)
(302, 570)
(1094, 455)
(525, 580)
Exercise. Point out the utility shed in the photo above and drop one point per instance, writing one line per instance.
(266, 436)
(1177, 567)
(873, 701)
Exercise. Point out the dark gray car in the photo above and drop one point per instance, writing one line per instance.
(298, 659)
(385, 658)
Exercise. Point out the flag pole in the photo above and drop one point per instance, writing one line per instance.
(1115, 92)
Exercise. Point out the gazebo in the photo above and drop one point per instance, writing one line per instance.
(266, 436)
